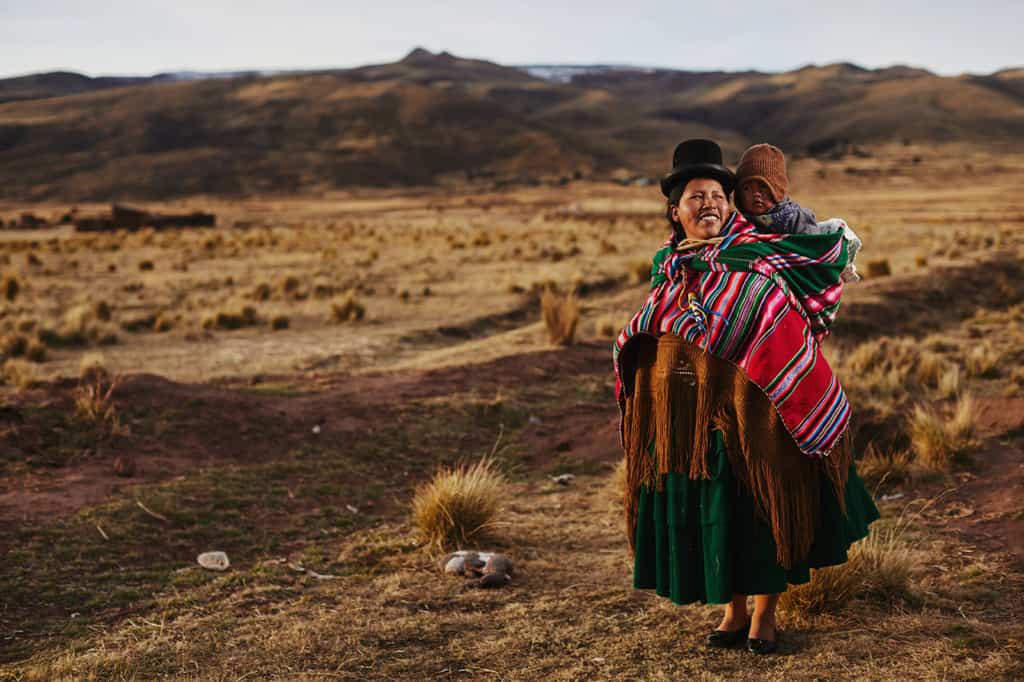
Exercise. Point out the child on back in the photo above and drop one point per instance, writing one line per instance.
(761, 196)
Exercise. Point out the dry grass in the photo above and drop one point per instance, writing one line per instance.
(982, 360)
(10, 285)
(878, 268)
(878, 568)
(940, 438)
(347, 309)
(561, 313)
(606, 326)
(885, 373)
(19, 373)
(231, 318)
(95, 405)
(640, 271)
(460, 505)
(876, 467)
(92, 368)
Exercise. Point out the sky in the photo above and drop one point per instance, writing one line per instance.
(143, 37)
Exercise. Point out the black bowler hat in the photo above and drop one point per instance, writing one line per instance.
(697, 159)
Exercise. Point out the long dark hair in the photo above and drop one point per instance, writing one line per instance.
(673, 200)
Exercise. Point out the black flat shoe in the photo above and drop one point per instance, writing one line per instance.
(721, 639)
(762, 647)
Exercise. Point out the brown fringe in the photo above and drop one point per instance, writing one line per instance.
(679, 394)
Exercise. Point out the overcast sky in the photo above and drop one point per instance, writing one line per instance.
(142, 37)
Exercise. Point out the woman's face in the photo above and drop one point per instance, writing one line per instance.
(703, 208)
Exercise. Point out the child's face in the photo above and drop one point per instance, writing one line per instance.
(756, 197)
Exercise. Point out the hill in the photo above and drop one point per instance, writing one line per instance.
(436, 118)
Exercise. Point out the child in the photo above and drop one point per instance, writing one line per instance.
(761, 186)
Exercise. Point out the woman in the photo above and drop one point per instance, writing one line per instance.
(740, 473)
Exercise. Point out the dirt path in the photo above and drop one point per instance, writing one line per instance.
(987, 509)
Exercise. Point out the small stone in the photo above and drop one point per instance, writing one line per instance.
(214, 561)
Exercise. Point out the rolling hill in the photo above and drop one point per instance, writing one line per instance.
(433, 118)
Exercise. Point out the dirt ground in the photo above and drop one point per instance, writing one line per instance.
(297, 451)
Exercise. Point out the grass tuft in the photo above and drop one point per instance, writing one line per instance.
(605, 326)
(877, 466)
(458, 506)
(92, 368)
(982, 361)
(10, 285)
(640, 271)
(95, 406)
(878, 568)
(879, 268)
(561, 313)
(347, 309)
(939, 439)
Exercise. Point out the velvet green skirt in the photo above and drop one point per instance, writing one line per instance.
(703, 541)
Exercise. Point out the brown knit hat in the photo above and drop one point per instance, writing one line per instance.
(766, 163)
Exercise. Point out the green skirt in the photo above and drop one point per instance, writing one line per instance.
(704, 541)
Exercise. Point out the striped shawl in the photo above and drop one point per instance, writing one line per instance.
(762, 302)
(728, 339)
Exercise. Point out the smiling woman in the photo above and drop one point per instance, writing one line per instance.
(740, 476)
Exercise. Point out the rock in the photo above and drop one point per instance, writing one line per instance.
(461, 562)
(214, 561)
(563, 479)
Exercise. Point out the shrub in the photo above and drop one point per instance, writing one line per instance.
(19, 373)
(879, 268)
(77, 328)
(95, 406)
(146, 265)
(289, 284)
(14, 345)
(876, 466)
(605, 326)
(11, 286)
(982, 360)
(261, 292)
(347, 309)
(163, 322)
(949, 382)
(101, 311)
(92, 368)
(891, 368)
(939, 439)
(279, 322)
(232, 319)
(36, 351)
(561, 314)
(458, 506)
(640, 271)
(878, 568)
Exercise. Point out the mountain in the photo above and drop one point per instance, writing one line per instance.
(434, 117)
(57, 84)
